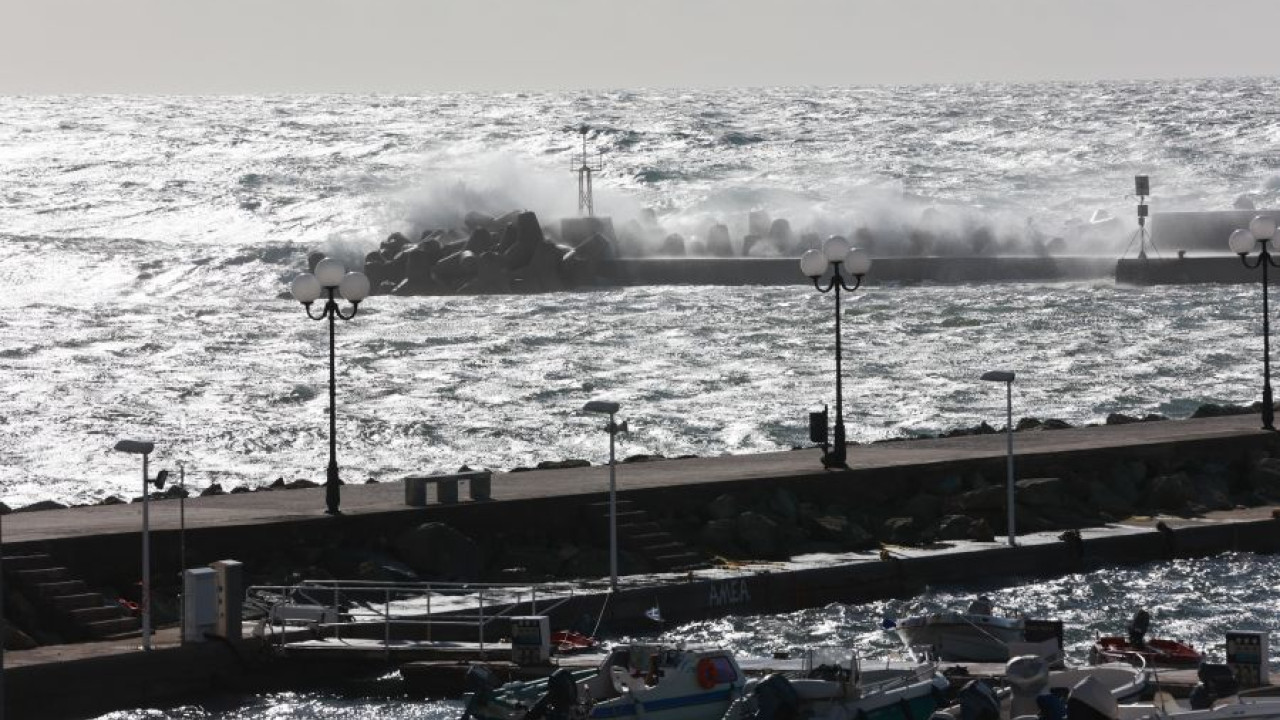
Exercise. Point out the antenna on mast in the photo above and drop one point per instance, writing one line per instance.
(582, 165)
(1142, 188)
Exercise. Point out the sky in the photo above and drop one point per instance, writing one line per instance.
(410, 46)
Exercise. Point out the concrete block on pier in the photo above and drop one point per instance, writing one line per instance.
(575, 231)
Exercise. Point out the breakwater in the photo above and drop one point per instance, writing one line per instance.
(1187, 462)
(515, 253)
(112, 676)
(1182, 270)
(786, 271)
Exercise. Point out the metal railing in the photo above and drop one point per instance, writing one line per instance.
(330, 606)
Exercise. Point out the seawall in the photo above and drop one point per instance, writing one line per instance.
(1185, 271)
(786, 271)
(102, 542)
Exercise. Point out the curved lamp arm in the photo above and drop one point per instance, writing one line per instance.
(837, 277)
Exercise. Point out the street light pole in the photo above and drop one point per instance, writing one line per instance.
(1261, 230)
(330, 278)
(144, 448)
(182, 520)
(835, 254)
(1007, 378)
(613, 428)
(613, 508)
(4, 622)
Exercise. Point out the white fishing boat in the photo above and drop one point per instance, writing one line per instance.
(831, 687)
(975, 635)
(1034, 690)
(658, 682)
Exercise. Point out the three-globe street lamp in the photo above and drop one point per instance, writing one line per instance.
(836, 256)
(331, 277)
(1261, 229)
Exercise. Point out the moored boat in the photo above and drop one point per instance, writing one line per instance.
(976, 635)
(657, 681)
(831, 687)
(1155, 652)
(1137, 649)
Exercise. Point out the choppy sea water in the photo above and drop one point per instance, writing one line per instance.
(238, 388)
(146, 244)
(1196, 601)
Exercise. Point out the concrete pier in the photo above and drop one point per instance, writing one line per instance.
(244, 526)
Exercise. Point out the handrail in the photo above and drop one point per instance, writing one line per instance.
(385, 603)
(993, 638)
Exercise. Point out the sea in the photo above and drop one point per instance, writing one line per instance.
(147, 245)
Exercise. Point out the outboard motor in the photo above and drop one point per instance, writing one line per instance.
(981, 606)
(978, 701)
(558, 701)
(1028, 676)
(480, 681)
(1091, 700)
(1138, 628)
(775, 699)
(1216, 682)
(1051, 707)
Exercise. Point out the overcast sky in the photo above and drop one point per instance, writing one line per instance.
(251, 46)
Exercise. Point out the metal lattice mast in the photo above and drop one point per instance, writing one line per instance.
(1143, 187)
(581, 164)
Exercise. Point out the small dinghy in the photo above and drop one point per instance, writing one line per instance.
(1152, 653)
(568, 642)
(1136, 649)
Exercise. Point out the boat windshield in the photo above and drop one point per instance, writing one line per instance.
(830, 663)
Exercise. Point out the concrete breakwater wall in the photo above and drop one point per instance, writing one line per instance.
(1184, 469)
(911, 493)
(905, 575)
(786, 271)
(515, 253)
(1185, 271)
(104, 681)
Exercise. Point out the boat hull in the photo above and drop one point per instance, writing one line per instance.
(967, 638)
(1155, 652)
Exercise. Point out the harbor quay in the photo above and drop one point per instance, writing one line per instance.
(100, 544)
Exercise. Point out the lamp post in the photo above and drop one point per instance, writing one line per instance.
(331, 277)
(836, 255)
(4, 622)
(1006, 377)
(1261, 229)
(144, 448)
(182, 520)
(604, 407)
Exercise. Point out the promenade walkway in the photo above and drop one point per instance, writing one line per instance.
(388, 496)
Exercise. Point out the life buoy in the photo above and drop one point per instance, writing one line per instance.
(706, 672)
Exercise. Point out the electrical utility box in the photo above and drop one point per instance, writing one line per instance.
(531, 640)
(199, 604)
(1248, 656)
(818, 425)
(230, 582)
